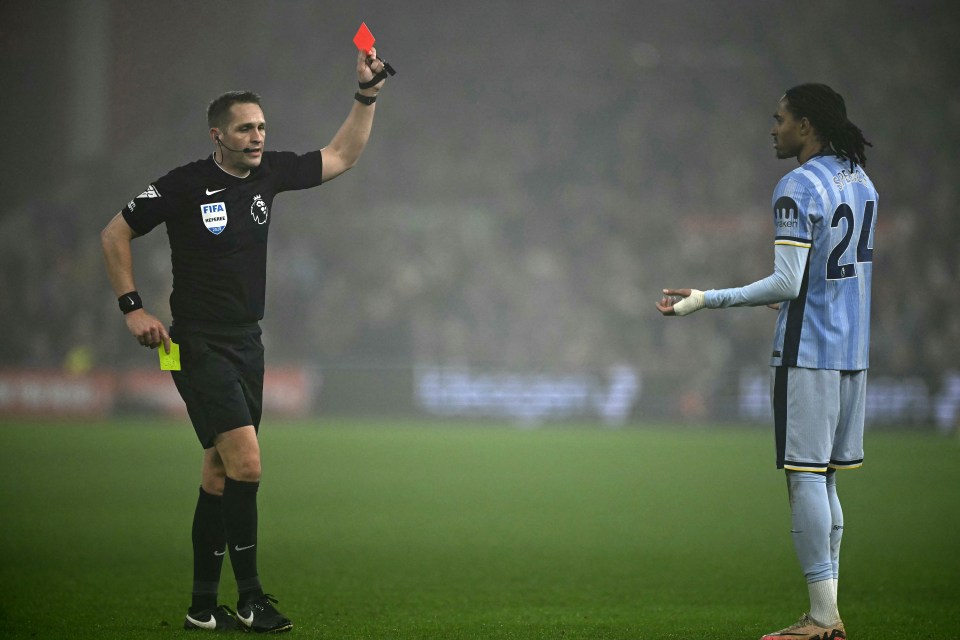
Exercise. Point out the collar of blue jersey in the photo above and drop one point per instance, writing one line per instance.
(823, 154)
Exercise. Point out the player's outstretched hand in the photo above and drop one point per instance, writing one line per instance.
(368, 66)
(680, 302)
(148, 330)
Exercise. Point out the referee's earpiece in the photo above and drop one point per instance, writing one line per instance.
(219, 144)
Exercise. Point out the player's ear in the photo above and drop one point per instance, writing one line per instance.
(214, 134)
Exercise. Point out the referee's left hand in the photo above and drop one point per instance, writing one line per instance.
(369, 66)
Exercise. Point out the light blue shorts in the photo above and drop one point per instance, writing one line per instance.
(818, 416)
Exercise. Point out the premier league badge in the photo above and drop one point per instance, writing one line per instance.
(259, 209)
(214, 217)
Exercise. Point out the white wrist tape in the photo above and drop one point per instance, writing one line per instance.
(694, 302)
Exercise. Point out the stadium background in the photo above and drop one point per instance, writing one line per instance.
(536, 174)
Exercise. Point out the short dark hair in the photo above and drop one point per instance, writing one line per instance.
(219, 109)
(827, 112)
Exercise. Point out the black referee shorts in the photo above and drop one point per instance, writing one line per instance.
(220, 377)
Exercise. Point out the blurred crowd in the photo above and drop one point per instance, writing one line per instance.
(522, 209)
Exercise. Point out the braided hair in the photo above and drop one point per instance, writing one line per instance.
(827, 112)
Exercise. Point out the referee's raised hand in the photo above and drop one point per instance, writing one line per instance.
(368, 67)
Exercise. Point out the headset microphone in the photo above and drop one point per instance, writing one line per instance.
(244, 150)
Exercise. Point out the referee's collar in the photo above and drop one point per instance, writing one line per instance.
(225, 172)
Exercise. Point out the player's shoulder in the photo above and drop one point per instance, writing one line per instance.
(794, 183)
(812, 177)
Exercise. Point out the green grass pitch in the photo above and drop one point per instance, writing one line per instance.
(399, 530)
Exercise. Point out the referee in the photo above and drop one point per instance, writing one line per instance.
(217, 212)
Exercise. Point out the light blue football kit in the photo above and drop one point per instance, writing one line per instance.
(825, 214)
(827, 208)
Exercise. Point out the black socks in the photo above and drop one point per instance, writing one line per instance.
(222, 524)
(240, 525)
(209, 548)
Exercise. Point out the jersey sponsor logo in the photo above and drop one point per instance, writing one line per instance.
(151, 192)
(786, 213)
(214, 217)
(259, 209)
(210, 192)
(131, 205)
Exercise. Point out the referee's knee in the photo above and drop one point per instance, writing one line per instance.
(240, 453)
(247, 469)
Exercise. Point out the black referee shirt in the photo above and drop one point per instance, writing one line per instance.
(218, 224)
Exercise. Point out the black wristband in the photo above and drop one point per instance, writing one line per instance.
(362, 99)
(130, 302)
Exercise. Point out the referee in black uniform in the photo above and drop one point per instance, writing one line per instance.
(217, 212)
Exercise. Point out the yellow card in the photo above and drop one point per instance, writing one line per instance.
(170, 361)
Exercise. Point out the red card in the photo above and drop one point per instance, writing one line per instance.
(364, 39)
